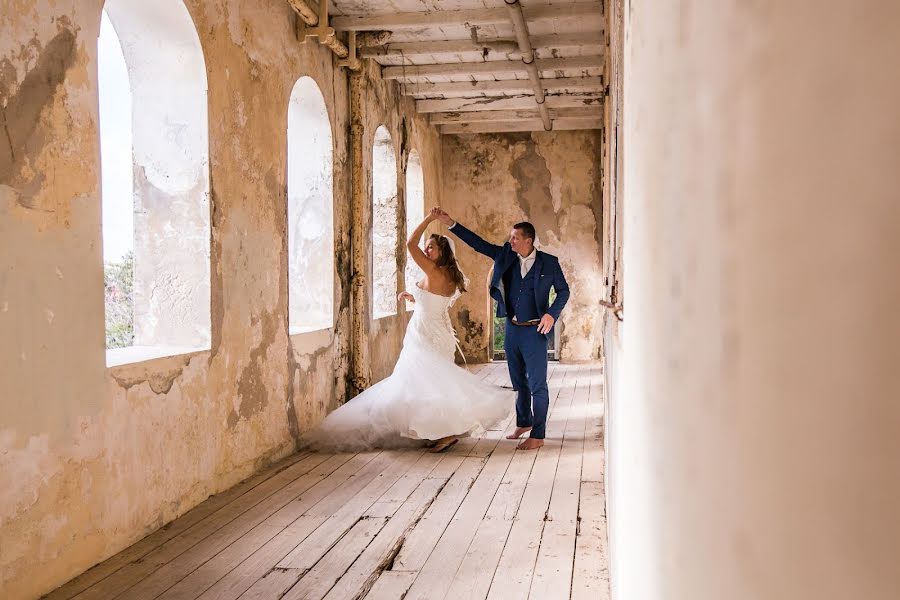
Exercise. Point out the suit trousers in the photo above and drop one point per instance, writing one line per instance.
(526, 357)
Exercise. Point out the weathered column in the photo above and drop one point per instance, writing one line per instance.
(359, 238)
(754, 437)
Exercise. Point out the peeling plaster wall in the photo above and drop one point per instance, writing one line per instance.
(550, 179)
(92, 459)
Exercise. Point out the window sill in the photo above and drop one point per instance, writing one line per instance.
(304, 342)
(117, 357)
(292, 331)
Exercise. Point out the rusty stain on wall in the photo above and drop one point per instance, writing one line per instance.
(251, 386)
(216, 284)
(160, 379)
(472, 331)
(532, 177)
(23, 104)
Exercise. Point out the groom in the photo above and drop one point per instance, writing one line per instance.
(521, 286)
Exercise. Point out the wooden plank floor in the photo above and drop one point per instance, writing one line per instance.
(483, 520)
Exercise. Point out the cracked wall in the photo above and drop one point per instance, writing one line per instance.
(92, 459)
(493, 181)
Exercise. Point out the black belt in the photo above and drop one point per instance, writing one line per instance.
(525, 323)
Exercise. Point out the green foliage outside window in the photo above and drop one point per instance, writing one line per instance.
(499, 330)
(119, 297)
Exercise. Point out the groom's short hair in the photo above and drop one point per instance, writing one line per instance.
(526, 228)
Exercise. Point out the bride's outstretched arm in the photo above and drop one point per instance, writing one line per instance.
(412, 245)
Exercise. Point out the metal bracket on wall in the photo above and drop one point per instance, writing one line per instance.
(617, 309)
(352, 61)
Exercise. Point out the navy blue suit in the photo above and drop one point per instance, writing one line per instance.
(525, 298)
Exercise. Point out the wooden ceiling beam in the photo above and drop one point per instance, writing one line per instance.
(446, 118)
(416, 72)
(481, 16)
(499, 88)
(506, 103)
(499, 46)
(563, 124)
(414, 49)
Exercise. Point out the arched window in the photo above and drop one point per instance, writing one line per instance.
(154, 145)
(415, 211)
(384, 225)
(310, 210)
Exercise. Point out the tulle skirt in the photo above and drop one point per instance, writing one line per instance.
(427, 397)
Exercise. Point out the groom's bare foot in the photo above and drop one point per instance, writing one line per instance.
(530, 444)
(518, 433)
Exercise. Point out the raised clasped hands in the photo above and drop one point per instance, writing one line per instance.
(442, 216)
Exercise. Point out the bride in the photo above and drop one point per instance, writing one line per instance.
(427, 397)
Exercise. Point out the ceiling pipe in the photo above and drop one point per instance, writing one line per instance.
(524, 40)
(308, 15)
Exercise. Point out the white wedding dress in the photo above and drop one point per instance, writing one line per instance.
(427, 397)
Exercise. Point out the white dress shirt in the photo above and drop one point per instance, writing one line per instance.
(526, 262)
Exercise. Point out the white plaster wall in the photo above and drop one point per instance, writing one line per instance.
(754, 448)
(415, 213)
(385, 204)
(116, 144)
(162, 48)
(170, 136)
(310, 209)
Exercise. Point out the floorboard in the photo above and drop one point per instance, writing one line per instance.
(515, 569)
(482, 520)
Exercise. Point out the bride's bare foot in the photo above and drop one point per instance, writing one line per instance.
(444, 443)
(518, 433)
(530, 444)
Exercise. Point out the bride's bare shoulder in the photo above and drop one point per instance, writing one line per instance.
(443, 283)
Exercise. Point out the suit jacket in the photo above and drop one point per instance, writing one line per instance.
(547, 273)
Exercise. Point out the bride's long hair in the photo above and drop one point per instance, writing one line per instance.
(447, 260)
